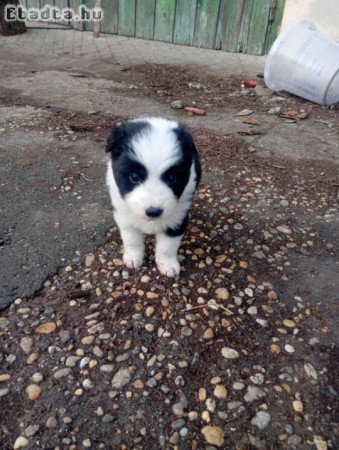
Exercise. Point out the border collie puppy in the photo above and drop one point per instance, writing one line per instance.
(152, 176)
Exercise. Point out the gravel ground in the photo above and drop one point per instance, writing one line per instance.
(228, 355)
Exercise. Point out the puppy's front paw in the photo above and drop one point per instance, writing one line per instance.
(133, 260)
(168, 266)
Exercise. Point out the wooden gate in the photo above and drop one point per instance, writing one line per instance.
(247, 26)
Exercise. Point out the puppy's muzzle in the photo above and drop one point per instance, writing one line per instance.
(153, 212)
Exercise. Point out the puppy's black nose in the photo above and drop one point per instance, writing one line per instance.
(153, 212)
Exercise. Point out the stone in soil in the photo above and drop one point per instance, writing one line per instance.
(220, 391)
(229, 353)
(222, 294)
(178, 408)
(261, 420)
(213, 435)
(62, 373)
(26, 344)
(20, 442)
(254, 393)
(51, 422)
(121, 378)
(46, 328)
(33, 391)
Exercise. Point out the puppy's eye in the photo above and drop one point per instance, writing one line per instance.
(172, 179)
(134, 178)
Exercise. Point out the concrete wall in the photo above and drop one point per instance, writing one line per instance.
(324, 13)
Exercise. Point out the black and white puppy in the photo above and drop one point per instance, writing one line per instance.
(152, 176)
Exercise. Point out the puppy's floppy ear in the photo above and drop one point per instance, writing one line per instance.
(189, 149)
(115, 141)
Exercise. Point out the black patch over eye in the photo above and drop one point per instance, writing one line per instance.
(128, 174)
(176, 177)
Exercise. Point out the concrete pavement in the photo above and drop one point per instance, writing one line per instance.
(54, 43)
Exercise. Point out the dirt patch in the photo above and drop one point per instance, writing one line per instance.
(175, 82)
(169, 336)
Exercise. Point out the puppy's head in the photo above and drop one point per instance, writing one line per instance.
(155, 165)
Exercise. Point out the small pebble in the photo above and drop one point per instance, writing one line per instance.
(220, 391)
(222, 293)
(149, 311)
(249, 292)
(238, 386)
(320, 443)
(61, 373)
(31, 430)
(21, 442)
(37, 377)
(271, 295)
(254, 393)
(258, 378)
(4, 391)
(298, 406)
(88, 340)
(288, 323)
(289, 348)
(202, 394)
(177, 104)
(208, 334)
(33, 391)
(4, 377)
(284, 229)
(193, 415)
(252, 310)
(26, 344)
(229, 353)
(310, 371)
(149, 327)
(275, 348)
(210, 404)
(121, 378)
(107, 368)
(51, 422)
(261, 420)
(46, 328)
(213, 435)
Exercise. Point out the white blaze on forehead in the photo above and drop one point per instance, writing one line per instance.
(157, 147)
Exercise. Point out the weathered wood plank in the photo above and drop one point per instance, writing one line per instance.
(258, 26)
(184, 22)
(274, 26)
(109, 24)
(206, 23)
(164, 20)
(221, 28)
(145, 19)
(230, 24)
(126, 17)
(88, 26)
(245, 26)
(74, 4)
(60, 4)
